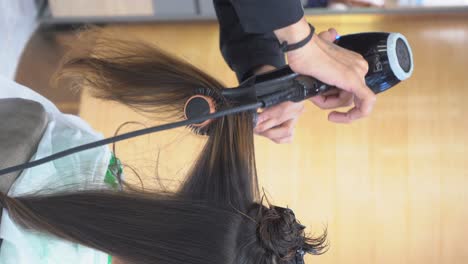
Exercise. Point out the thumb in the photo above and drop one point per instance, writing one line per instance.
(329, 35)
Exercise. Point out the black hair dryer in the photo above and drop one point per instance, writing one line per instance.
(389, 56)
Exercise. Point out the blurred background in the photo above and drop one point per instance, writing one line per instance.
(392, 188)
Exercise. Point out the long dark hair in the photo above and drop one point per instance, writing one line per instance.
(216, 216)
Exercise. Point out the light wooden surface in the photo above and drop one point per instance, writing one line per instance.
(392, 188)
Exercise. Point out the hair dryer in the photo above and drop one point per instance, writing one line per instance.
(389, 56)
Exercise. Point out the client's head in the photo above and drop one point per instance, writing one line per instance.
(216, 216)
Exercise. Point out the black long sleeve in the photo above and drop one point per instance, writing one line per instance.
(262, 16)
(243, 51)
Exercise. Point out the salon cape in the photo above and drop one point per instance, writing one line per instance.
(22, 246)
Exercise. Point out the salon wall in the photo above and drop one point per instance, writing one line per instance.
(391, 188)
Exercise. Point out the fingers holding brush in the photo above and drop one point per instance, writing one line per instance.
(277, 123)
(334, 98)
(284, 133)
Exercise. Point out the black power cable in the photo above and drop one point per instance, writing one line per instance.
(136, 133)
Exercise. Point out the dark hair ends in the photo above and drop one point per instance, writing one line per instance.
(217, 214)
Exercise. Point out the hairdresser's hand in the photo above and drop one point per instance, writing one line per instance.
(331, 64)
(334, 98)
(278, 122)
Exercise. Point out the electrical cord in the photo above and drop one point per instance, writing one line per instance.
(136, 133)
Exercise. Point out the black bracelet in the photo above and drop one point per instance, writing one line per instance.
(285, 47)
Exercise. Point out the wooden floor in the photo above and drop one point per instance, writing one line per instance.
(392, 188)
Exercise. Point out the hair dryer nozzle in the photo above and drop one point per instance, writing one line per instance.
(400, 56)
